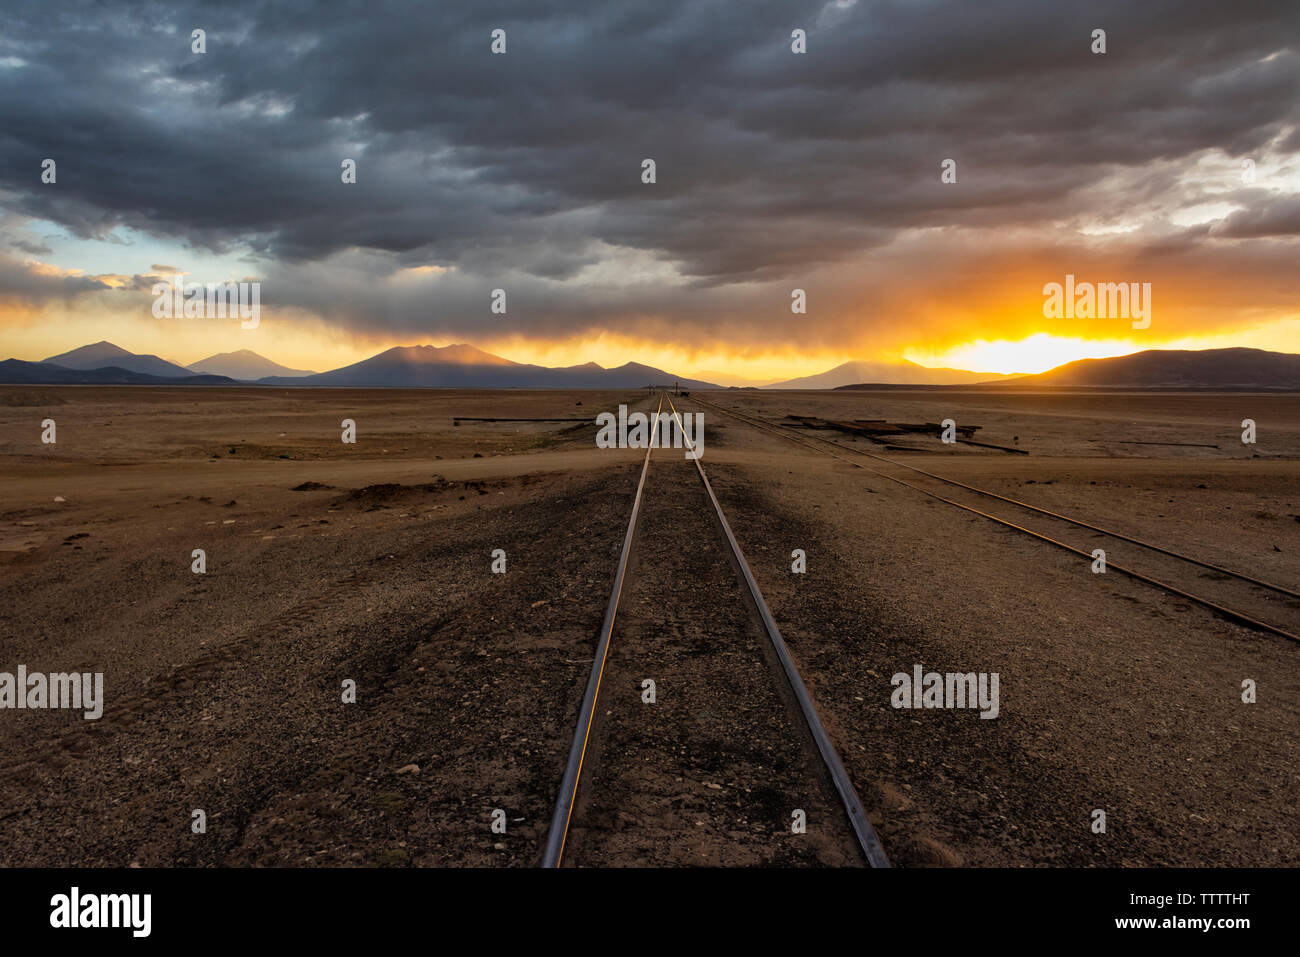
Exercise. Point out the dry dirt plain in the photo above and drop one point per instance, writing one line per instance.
(370, 562)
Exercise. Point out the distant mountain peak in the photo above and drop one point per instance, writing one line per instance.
(104, 354)
(101, 349)
(245, 364)
(456, 354)
(895, 372)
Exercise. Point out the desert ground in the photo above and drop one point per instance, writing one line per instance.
(371, 563)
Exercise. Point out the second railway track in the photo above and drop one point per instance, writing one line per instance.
(1266, 602)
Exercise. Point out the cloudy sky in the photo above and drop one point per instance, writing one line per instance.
(1171, 159)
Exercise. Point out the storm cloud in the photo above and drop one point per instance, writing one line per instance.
(775, 170)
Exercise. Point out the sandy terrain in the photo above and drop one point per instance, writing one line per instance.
(371, 562)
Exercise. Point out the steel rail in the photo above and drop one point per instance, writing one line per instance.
(1044, 511)
(1075, 521)
(553, 852)
(875, 854)
(1226, 612)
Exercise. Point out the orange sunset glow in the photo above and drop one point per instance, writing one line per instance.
(763, 249)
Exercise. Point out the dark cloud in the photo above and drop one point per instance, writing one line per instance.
(1279, 217)
(523, 170)
(20, 284)
(32, 249)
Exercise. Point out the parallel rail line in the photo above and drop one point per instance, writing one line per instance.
(1222, 610)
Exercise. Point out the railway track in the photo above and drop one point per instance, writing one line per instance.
(853, 457)
(714, 666)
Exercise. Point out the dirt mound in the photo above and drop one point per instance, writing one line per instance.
(388, 494)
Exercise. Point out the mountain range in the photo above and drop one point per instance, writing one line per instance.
(468, 367)
(1178, 369)
(18, 372)
(1215, 369)
(890, 373)
(411, 367)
